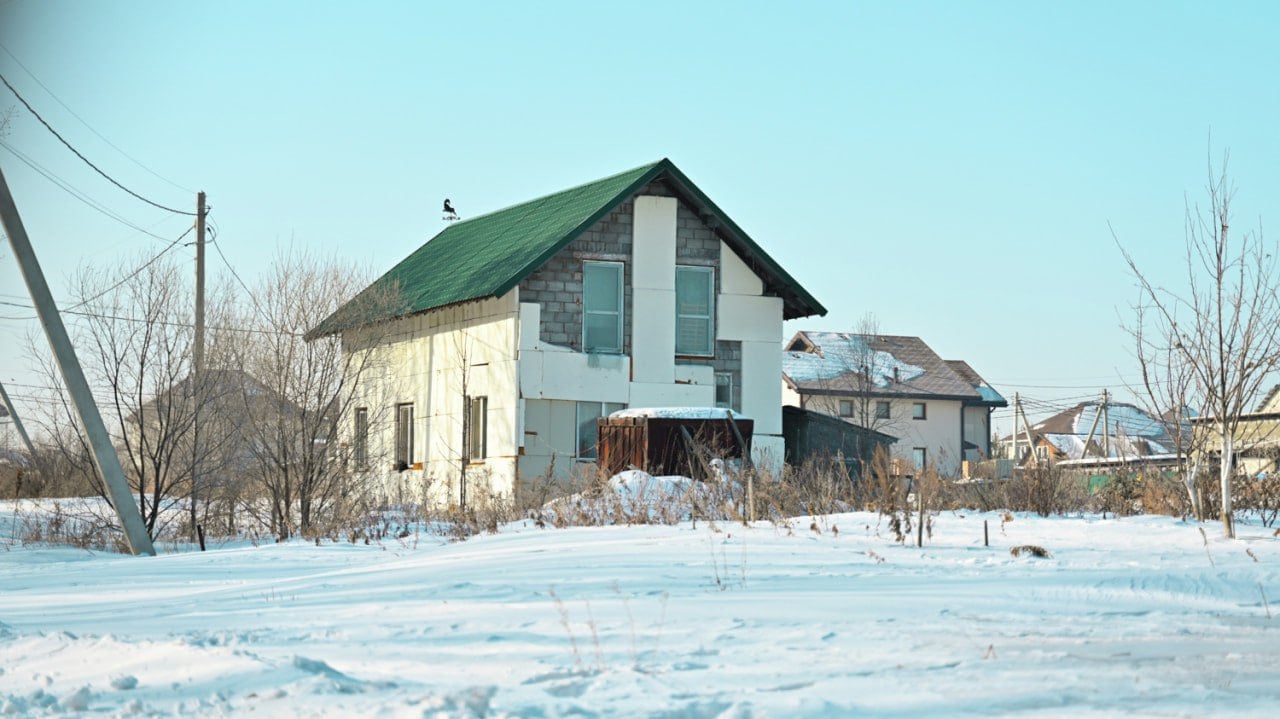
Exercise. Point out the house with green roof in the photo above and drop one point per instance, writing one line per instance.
(513, 332)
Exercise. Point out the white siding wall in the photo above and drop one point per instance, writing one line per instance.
(425, 361)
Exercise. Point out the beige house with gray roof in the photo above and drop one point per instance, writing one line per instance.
(940, 410)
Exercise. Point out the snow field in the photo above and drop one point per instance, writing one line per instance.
(1132, 616)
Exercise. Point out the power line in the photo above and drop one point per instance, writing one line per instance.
(133, 274)
(97, 169)
(166, 323)
(69, 189)
(86, 123)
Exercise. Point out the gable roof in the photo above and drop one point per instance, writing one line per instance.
(488, 255)
(1133, 431)
(897, 366)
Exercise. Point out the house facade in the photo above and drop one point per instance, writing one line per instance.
(515, 331)
(939, 411)
(1255, 443)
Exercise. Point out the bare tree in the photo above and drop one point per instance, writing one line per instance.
(1166, 391)
(134, 335)
(304, 387)
(1224, 324)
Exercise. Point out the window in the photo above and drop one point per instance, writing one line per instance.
(918, 411)
(919, 456)
(695, 295)
(588, 433)
(846, 408)
(404, 436)
(477, 427)
(602, 307)
(360, 439)
(724, 390)
(882, 410)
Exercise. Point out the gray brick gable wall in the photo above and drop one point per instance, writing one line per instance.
(557, 285)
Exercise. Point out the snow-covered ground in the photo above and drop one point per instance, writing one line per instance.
(1132, 616)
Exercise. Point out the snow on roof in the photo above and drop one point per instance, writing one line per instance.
(842, 353)
(680, 413)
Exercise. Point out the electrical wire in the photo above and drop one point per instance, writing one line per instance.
(77, 153)
(133, 274)
(86, 122)
(69, 189)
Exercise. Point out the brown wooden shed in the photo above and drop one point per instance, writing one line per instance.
(672, 440)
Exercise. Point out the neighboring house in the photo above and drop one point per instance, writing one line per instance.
(1121, 432)
(235, 403)
(1256, 441)
(514, 331)
(939, 410)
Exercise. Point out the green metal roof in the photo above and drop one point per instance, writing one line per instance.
(488, 255)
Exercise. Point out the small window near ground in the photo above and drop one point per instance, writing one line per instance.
(588, 432)
(360, 438)
(724, 390)
(404, 436)
(919, 411)
(919, 456)
(477, 427)
(695, 297)
(602, 307)
(846, 408)
(882, 410)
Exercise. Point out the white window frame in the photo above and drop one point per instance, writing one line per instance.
(709, 318)
(616, 347)
(727, 385)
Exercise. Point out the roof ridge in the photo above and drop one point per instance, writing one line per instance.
(549, 195)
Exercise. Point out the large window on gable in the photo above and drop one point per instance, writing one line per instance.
(602, 307)
(695, 300)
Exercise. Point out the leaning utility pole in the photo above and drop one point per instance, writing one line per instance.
(197, 369)
(104, 454)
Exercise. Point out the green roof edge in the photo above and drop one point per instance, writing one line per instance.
(654, 170)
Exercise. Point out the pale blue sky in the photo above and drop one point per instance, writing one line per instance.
(950, 167)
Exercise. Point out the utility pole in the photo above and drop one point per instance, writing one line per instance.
(197, 368)
(104, 454)
(1106, 425)
(17, 423)
(1016, 404)
(1094, 427)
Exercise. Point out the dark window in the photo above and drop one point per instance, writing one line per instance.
(918, 411)
(404, 436)
(882, 410)
(846, 408)
(360, 441)
(477, 427)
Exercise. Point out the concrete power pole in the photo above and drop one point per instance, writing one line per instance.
(197, 369)
(104, 454)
